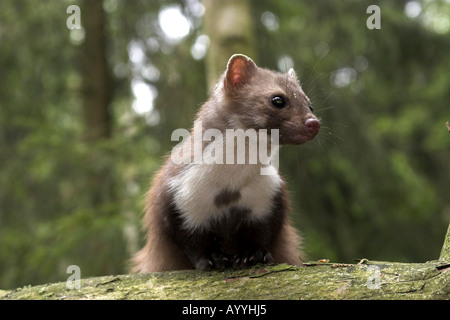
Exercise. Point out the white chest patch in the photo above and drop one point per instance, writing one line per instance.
(196, 189)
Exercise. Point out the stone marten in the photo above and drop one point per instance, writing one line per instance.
(206, 213)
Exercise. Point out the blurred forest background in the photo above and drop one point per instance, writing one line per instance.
(86, 116)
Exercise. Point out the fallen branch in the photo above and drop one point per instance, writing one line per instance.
(368, 280)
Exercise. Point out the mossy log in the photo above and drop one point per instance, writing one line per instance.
(315, 280)
(368, 280)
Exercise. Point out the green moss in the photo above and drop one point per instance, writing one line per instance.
(3, 293)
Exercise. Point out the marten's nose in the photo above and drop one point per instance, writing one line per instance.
(313, 125)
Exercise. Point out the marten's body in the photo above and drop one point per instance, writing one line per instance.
(216, 215)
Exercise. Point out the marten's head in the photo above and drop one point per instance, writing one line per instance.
(263, 99)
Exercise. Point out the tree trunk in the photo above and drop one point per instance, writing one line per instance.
(230, 30)
(95, 73)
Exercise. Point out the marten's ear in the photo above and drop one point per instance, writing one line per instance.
(240, 69)
(291, 74)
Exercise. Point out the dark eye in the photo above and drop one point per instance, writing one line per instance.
(311, 108)
(278, 102)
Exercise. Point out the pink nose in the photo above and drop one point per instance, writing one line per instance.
(313, 125)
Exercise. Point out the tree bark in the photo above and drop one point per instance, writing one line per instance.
(95, 73)
(229, 27)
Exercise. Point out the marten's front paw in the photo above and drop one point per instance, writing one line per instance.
(251, 259)
(213, 262)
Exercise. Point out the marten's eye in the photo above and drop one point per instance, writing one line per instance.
(311, 108)
(278, 102)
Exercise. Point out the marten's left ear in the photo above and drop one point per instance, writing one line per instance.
(291, 73)
(240, 69)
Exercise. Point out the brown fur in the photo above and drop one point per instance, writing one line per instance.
(159, 253)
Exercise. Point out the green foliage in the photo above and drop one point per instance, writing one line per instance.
(374, 182)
